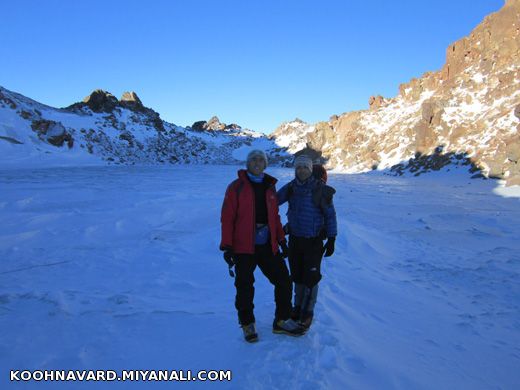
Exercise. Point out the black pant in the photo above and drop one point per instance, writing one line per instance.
(305, 256)
(274, 268)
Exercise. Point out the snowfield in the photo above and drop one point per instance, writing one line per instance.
(116, 268)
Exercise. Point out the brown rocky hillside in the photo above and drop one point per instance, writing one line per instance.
(471, 106)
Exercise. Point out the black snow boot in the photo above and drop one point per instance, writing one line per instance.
(250, 332)
(288, 327)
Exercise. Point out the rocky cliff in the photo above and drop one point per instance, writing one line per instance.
(470, 107)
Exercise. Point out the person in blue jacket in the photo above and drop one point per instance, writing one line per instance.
(311, 220)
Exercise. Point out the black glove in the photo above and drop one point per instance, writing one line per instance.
(228, 257)
(328, 248)
(284, 251)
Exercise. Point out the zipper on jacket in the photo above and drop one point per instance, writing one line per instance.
(254, 215)
(267, 206)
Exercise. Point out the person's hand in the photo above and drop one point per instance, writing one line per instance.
(328, 248)
(284, 251)
(228, 257)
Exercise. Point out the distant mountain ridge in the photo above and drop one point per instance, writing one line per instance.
(116, 131)
(470, 107)
(467, 113)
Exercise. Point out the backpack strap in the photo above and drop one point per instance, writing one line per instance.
(328, 193)
(322, 195)
(319, 172)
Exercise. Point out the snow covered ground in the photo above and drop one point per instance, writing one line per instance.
(118, 268)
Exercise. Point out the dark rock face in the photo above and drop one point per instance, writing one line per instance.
(131, 101)
(104, 102)
(25, 114)
(52, 132)
(233, 126)
(101, 101)
(213, 124)
(5, 101)
(434, 162)
(128, 137)
(199, 126)
(156, 121)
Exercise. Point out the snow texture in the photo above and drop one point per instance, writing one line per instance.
(117, 267)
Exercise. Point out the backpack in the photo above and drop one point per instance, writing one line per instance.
(322, 194)
(319, 172)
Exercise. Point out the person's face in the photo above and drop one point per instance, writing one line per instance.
(302, 173)
(256, 165)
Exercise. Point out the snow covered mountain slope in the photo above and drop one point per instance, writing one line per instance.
(471, 106)
(118, 268)
(102, 130)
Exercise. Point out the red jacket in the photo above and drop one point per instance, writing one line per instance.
(238, 216)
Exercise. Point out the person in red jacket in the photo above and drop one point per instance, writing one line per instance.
(251, 236)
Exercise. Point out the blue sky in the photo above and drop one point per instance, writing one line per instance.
(255, 63)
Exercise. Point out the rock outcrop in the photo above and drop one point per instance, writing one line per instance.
(101, 101)
(214, 124)
(131, 100)
(469, 107)
(52, 132)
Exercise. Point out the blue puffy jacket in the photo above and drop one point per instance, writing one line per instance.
(310, 208)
